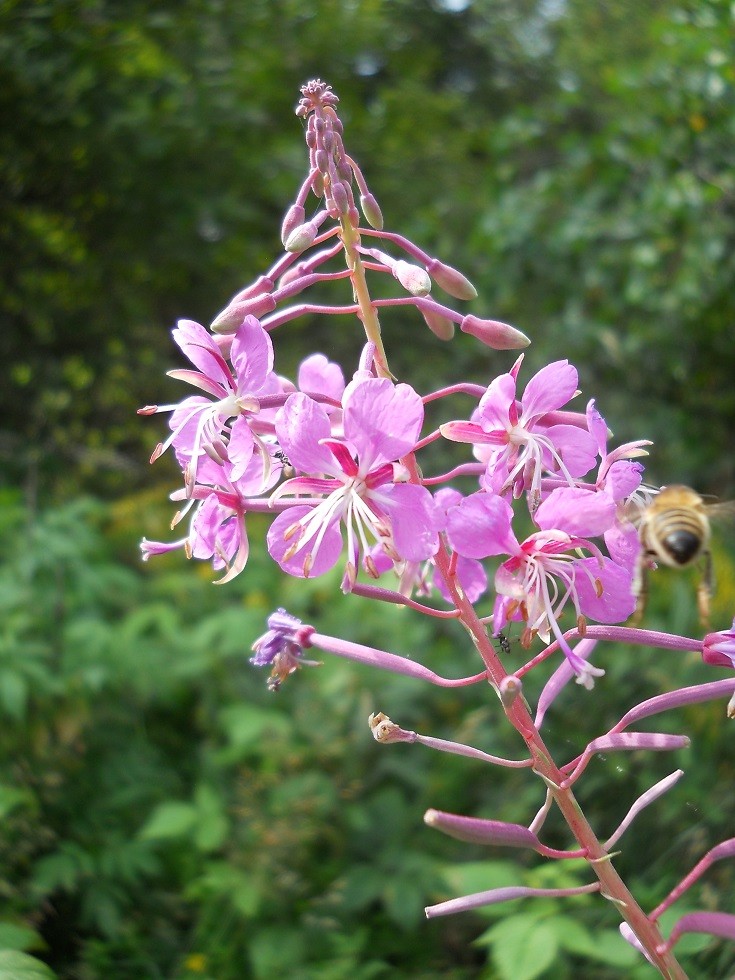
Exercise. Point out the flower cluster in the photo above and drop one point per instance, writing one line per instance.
(535, 526)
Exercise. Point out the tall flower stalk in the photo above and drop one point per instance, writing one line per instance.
(340, 466)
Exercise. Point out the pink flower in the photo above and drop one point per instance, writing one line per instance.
(719, 648)
(545, 572)
(317, 375)
(353, 481)
(221, 428)
(514, 441)
(619, 478)
(417, 578)
(217, 526)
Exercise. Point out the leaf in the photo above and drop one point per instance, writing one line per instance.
(212, 824)
(21, 937)
(221, 880)
(20, 966)
(12, 797)
(605, 946)
(13, 693)
(174, 819)
(523, 947)
(247, 726)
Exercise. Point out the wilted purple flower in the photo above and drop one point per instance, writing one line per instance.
(281, 648)
(381, 422)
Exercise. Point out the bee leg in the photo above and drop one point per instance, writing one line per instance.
(704, 590)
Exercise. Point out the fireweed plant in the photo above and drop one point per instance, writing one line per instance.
(339, 466)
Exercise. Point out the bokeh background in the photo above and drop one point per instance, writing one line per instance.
(163, 815)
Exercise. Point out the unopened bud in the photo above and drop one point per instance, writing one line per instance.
(371, 210)
(292, 219)
(440, 325)
(451, 280)
(341, 198)
(302, 237)
(321, 159)
(412, 277)
(263, 284)
(231, 317)
(493, 333)
(476, 831)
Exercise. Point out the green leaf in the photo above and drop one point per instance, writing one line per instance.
(13, 693)
(247, 726)
(523, 947)
(605, 946)
(12, 797)
(21, 937)
(19, 966)
(221, 880)
(174, 819)
(212, 826)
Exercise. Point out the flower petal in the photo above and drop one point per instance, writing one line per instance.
(581, 513)
(605, 593)
(481, 526)
(300, 425)
(199, 346)
(317, 375)
(549, 389)
(381, 420)
(413, 520)
(251, 355)
(308, 561)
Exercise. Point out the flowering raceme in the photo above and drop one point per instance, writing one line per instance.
(335, 464)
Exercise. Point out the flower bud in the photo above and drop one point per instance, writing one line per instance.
(230, 318)
(341, 198)
(263, 284)
(317, 185)
(292, 219)
(321, 158)
(372, 212)
(476, 831)
(493, 333)
(441, 326)
(412, 277)
(302, 237)
(451, 280)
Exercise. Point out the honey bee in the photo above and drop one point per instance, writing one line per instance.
(674, 529)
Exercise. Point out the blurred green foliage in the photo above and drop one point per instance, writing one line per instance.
(162, 814)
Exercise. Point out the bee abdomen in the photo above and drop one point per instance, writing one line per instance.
(682, 536)
(683, 546)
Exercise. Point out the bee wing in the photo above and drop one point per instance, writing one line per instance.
(722, 510)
